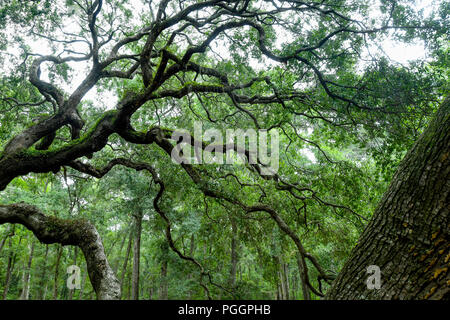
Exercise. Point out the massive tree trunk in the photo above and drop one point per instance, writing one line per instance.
(408, 235)
(79, 233)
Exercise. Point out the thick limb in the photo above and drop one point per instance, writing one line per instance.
(80, 233)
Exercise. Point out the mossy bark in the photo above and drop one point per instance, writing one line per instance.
(408, 236)
(79, 233)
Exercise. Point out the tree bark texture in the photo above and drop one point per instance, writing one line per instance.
(408, 235)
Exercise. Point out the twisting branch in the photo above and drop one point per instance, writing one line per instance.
(93, 12)
(139, 166)
(80, 233)
(146, 53)
(197, 178)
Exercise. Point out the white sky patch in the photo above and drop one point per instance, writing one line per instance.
(70, 181)
(404, 53)
(115, 227)
(309, 155)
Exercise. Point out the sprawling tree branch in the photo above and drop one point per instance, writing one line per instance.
(80, 233)
(165, 57)
(139, 166)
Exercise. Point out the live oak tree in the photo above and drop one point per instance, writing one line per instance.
(408, 235)
(304, 68)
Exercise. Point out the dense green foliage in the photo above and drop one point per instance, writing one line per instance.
(341, 138)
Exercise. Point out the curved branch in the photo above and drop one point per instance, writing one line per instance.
(80, 233)
(139, 166)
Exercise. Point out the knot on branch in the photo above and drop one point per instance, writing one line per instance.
(155, 134)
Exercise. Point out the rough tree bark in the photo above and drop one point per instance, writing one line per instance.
(79, 233)
(408, 235)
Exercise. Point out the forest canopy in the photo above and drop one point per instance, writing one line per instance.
(93, 94)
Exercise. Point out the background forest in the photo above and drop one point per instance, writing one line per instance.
(344, 127)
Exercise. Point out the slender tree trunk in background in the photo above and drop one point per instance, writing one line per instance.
(281, 285)
(9, 269)
(279, 295)
(294, 288)
(116, 262)
(286, 279)
(45, 291)
(305, 290)
(42, 282)
(8, 234)
(3, 242)
(83, 286)
(8, 275)
(284, 289)
(136, 255)
(129, 286)
(283, 282)
(234, 254)
(125, 262)
(163, 290)
(26, 281)
(10, 261)
(408, 235)
(191, 254)
(55, 278)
